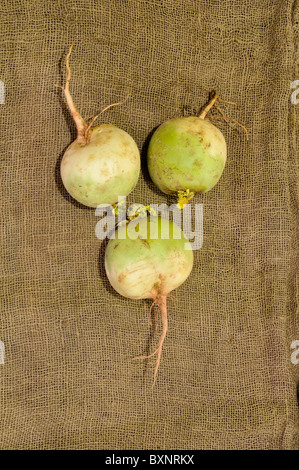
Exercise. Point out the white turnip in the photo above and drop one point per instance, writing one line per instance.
(102, 163)
(149, 264)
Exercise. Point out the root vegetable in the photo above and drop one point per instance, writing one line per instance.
(187, 155)
(102, 163)
(149, 265)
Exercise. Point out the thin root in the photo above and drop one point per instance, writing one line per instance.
(227, 102)
(150, 312)
(172, 297)
(221, 112)
(211, 103)
(236, 122)
(94, 118)
(90, 125)
(157, 320)
(113, 104)
(89, 117)
(158, 351)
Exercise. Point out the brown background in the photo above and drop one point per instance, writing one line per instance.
(226, 380)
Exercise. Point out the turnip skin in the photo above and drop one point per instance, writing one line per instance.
(98, 172)
(186, 153)
(146, 267)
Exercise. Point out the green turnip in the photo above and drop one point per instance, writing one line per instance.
(187, 155)
(149, 264)
(102, 163)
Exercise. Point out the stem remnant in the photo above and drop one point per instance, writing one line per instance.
(209, 105)
(233, 120)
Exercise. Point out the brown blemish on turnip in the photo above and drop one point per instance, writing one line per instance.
(125, 142)
(121, 277)
(145, 243)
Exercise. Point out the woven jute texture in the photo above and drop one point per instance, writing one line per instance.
(227, 379)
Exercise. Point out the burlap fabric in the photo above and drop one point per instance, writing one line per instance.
(226, 380)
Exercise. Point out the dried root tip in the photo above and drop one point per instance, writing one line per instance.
(94, 118)
(184, 197)
(225, 118)
(227, 102)
(113, 104)
(214, 97)
(89, 127)
(163, 307)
